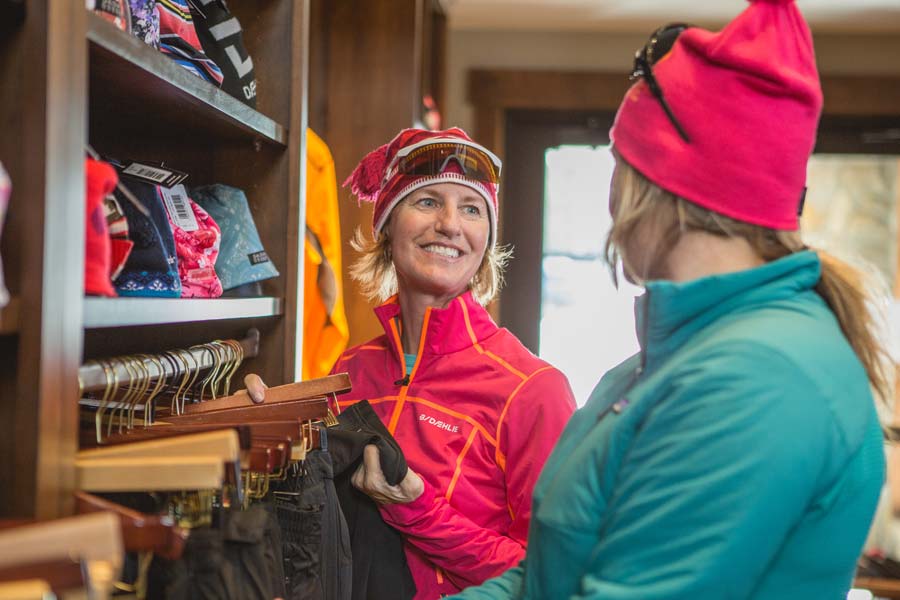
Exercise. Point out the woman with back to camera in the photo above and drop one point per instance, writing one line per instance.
(475, 413)
(738, 455)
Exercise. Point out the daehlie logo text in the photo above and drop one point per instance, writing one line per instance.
(439, 424)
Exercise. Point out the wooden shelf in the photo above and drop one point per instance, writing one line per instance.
(9, 317)
(125, 312)
(130, 81)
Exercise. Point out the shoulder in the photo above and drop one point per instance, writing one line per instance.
(775, 386)
(799, 339)
(532, 377)
(362, 352)
(505, 349)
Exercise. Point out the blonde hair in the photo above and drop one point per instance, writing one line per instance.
(375, 273)
(641, 203)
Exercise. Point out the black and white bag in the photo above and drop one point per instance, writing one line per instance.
(223, 41)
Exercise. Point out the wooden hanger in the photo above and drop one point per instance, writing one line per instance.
(291, 392)
(94, 540)
(307, 409)
(62, 575)
(164, 473)
(140, 533)
(27, 589)
(222, 443)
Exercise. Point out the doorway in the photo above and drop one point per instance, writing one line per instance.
(559, 298)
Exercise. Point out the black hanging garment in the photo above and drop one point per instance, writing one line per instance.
(380, 571)
(240, 559)
(222, 39)
(316, 543)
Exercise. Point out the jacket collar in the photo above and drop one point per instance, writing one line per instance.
(463, 324)
(669, 313)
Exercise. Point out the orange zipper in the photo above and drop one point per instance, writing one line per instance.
(407, 377)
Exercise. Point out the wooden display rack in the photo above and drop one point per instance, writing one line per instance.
(68, 79)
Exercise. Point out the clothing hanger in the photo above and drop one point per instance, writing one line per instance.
(112, 386)
(92, 377)
(160, 384)
(95, 540)
(159, 473)
(304, 408)
(239, 359)
(291, 392)
(27, 589)
(222, 443)
(217, 364)
(64, 576)
(140, 532)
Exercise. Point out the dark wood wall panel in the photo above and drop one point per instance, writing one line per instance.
(371, 85)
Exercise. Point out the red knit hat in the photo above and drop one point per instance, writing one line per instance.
(749, 99)
(368, 182)
(101, 180)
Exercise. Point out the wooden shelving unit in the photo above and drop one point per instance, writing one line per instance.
(129, 312)
(68, 79)
(129, 80)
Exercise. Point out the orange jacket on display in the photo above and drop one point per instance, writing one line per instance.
(325, 330)
(476, 417)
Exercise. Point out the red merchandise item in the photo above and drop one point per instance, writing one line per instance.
(749, 100)
(197, 239)
(476, 418)
(371, 181)
(101, 181)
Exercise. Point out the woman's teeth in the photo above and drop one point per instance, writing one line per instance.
(442, 250)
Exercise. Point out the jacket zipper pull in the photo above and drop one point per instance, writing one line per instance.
(403, 382)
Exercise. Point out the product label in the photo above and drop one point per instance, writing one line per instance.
(257, 258)
(439, 424)
(160, 175)
(179, 208)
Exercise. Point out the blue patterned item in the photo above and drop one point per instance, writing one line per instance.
(242, 258)
(145, 21)
(152, 266)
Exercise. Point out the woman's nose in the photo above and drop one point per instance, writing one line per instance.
(448, 221)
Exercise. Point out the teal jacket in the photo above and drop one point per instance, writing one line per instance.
(737, 456)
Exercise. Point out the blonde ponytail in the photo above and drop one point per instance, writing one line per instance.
(844, 290)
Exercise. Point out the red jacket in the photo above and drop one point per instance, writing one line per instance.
(476, 418)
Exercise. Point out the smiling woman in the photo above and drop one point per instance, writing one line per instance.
(475, 413)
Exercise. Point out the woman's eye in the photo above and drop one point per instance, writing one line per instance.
(472, 210)
(427, 202)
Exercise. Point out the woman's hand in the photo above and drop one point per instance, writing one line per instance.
(256, 388)
(369, 479)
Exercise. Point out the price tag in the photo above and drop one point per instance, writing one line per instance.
(154, 174)
(179, 208)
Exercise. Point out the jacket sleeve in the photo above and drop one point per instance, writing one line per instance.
(535, 415)
(505, 587)
(730, 448)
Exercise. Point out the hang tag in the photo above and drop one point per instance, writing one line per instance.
(179, 207)
(157, 174)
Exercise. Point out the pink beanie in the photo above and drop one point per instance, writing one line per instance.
(749, 99)
(368, 184)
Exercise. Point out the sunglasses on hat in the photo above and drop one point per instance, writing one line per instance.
(433, 156)
(659, 44)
